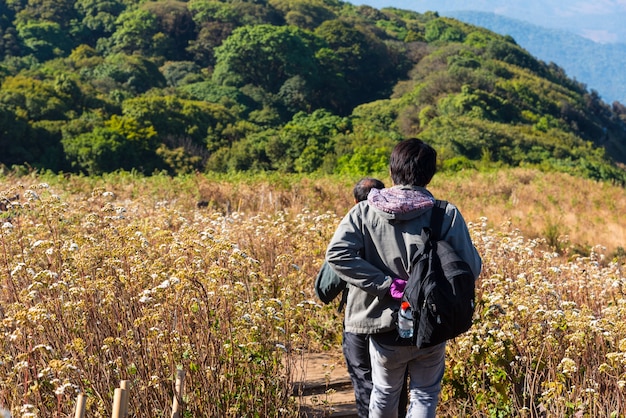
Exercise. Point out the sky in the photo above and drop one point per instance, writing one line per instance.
(602, 21)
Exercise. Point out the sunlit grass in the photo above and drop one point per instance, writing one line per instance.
(125, 277)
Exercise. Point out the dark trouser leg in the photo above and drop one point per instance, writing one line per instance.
(356, 352)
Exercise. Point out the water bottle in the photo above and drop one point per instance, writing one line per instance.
(405, 321)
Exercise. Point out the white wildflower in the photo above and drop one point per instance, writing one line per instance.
(31, 195)
(61, 389)
(567, 366)
(19, 267)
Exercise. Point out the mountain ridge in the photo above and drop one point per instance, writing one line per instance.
(570, 44)
(599, 21)
(599, 66)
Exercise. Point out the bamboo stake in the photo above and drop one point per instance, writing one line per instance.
(178, 393)
(80, 406)
(117, 403)
(125, 394)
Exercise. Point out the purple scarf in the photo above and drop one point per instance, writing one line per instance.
(398, 200)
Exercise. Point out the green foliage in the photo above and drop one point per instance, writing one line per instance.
(134, 73)
(302, 144)
(178, 73)
(289, 86)
(443, 29)
(45, 39)
(15, 137)
(195, 125)
(364, 160)
(362, 63)
(35, 99)
(99, 15)
(175, 28)
(136, 32)
(122, 143)
(230, 97)
(263, 55)
(305, 14)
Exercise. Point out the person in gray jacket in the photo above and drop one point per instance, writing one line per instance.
(371, 250)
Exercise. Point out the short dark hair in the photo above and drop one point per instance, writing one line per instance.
(363, 187)
(413, 163)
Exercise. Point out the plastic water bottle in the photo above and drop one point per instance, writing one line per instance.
(405, 320)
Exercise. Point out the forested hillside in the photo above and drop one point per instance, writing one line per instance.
(293, 86)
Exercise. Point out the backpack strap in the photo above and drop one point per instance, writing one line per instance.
(436, 221)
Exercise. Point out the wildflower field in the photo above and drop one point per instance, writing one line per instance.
(132, 278)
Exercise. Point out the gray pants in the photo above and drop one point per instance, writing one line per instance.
(389, 363)
(356, 351)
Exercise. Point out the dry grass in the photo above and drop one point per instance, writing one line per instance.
(125, 277)
(569, 212)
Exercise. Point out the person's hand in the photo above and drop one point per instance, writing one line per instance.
(397, 288)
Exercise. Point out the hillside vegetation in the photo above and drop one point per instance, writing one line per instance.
(599, 65)
(287, 86)
(126, 277)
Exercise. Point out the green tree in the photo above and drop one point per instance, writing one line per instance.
(136, 32)
(180, 73)
(266, 56)
(99, 17)
(367, 68)
(134, 73)
(364, 160)
(307, 14)
(33, 98)
(175, 28)
(45, 39)
(303, 143)
(61, 12)
(122, 143)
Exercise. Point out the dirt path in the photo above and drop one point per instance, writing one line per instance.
(324, 387)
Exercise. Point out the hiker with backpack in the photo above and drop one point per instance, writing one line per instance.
(373, 249)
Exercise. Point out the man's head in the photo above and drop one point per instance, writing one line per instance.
(412, 163)
(363, 187)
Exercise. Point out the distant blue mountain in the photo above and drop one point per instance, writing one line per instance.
(558, 31)
(602, 67)
(600, 21)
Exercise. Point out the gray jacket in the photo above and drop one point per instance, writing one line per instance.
(375, 242)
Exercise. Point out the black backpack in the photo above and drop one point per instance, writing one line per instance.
(440, 288)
